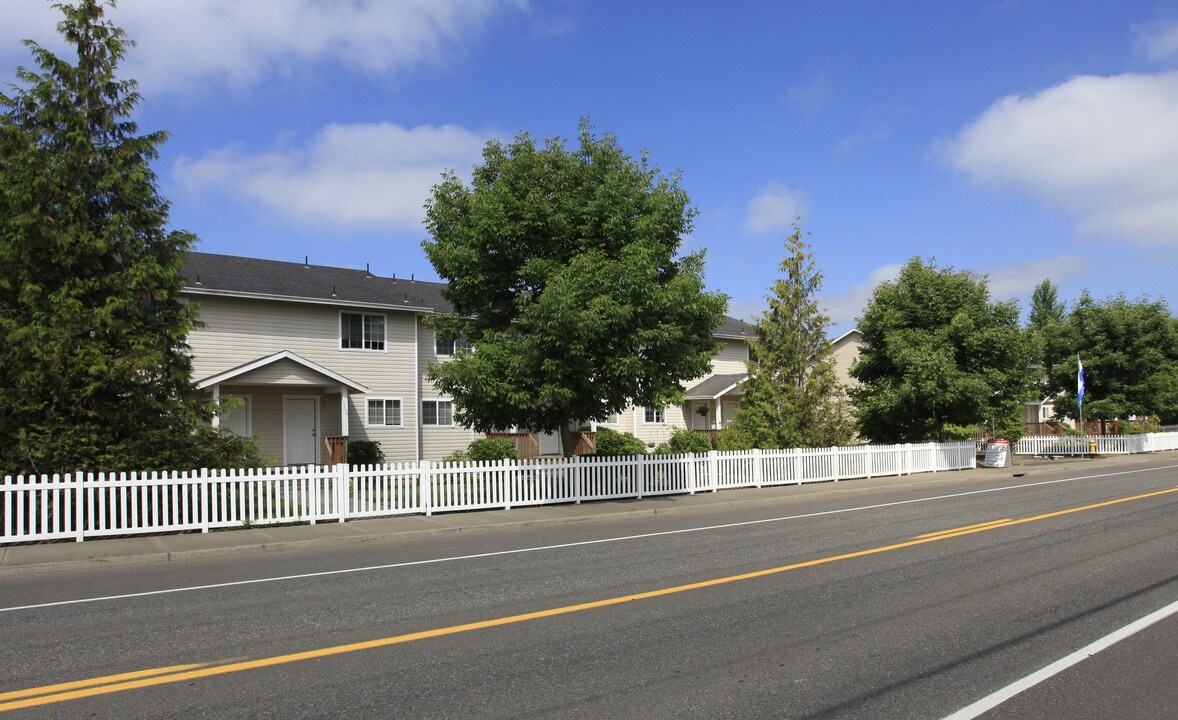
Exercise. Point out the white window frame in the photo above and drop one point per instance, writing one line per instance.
(247, 406)
(384, 411)
(659, 416)
(364, 339)
(436, 403)
(449, 348)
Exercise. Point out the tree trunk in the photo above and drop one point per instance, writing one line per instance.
(568, 439)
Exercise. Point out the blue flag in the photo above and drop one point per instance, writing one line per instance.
(1079, 382)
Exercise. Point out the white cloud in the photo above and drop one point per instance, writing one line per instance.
(240, 43)
(367, 176)
(1017, 281)
(1158, 41)
(1103, 148)
(844, 308)
(811, 96)
(774, 208)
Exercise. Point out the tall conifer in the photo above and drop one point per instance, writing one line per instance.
(793, 397)
(94, 371)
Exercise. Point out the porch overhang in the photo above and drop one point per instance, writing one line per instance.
(239, 374)
(716, 387)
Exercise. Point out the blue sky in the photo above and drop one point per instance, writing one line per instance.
(1020, 139)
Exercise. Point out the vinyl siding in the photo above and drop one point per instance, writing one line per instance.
(238, 331)
(730, 359)
(845, 353)
(437, 441)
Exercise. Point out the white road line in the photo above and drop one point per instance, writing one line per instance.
(517, 551)
(997, 698)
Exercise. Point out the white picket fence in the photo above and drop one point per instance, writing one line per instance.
(1104, 444)
(89, 505)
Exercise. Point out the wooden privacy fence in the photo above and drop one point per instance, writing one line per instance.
(87, 505)
(1098, 444)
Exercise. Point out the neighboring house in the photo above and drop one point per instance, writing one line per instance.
(710, 402)
(309, 352)
(846, 352)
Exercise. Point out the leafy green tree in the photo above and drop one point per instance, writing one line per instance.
(93, 365)
(563, 273)
(792, 397)
(1130, 355)
(936, 351)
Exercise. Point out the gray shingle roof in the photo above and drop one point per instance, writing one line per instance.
(208, 273)
(215, 274)
(715, 386)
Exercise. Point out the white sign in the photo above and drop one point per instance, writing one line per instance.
(997, 454)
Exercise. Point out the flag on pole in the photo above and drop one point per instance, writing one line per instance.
(1079, 382)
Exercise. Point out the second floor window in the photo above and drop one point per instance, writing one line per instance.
(449, 347)
(361, 332)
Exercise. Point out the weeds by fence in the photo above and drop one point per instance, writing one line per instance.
(88, 505)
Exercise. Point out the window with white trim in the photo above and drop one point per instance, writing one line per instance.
(437, 412)
(655, 415)
(452, 346)
(384, 411)
(358, 331)
(235, 414)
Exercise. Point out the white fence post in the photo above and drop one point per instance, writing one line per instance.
(343, 490)
(79, 506)
(691, 473)
(640, 468)
(836, 466)
(713, 470)
(204, 500)
(423, 486)
(758, 468)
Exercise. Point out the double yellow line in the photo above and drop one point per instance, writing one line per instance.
(49, 694)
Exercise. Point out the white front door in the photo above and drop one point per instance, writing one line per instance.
(550, 443)
(300, 430)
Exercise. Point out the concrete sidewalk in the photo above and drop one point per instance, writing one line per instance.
(26, 559)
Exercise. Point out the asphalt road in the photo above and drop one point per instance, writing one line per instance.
(798, 607)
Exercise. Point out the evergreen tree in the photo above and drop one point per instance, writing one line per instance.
(93, 366)
(792, 397)
(1047, 309)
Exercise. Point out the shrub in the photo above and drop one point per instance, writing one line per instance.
(364, 452)
(685, 441)
(1010, 427)
(733, 438)
(222, 449)
(961, 432)
(502, 449)
(457, 456)
(611, 443)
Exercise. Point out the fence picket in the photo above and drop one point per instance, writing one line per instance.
(86, 505)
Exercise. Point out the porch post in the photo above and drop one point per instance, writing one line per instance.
(217, 402)
(719, 414)
(343, 410)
